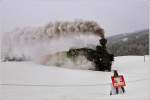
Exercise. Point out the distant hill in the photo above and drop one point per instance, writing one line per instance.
(136, 43)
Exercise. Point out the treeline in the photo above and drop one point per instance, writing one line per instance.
(136, 43)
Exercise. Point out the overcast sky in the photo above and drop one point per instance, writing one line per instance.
(115, 16)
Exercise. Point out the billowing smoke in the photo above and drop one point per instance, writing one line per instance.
(75, 27)
(34, 43)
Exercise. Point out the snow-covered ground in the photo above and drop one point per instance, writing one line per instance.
(30, 81)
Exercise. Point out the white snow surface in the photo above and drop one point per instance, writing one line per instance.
(30, 81)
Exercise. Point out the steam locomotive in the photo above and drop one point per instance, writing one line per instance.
(101, 58)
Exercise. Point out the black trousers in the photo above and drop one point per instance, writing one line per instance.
(123, 90)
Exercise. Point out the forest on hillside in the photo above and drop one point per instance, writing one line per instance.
(136, 43)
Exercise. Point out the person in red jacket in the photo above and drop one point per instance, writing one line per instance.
(116, 91)
(116, 75)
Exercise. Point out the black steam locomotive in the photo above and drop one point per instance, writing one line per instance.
(101, 58)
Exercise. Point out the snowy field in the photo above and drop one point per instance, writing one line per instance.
(30, 81)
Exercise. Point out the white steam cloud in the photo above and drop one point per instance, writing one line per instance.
(33, 43)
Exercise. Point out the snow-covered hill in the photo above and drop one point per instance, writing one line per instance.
(30, 81)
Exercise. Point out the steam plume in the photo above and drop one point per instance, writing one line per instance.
(30, 43)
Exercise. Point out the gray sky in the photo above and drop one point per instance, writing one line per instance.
(115, 16)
